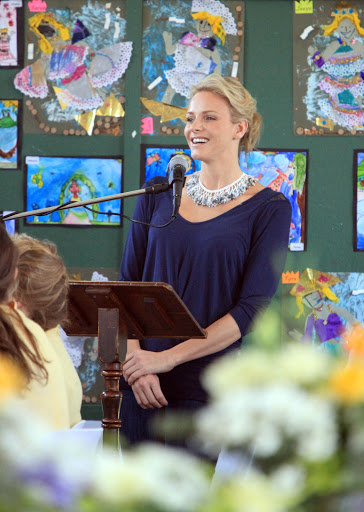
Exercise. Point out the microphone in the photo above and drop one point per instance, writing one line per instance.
(177, 167)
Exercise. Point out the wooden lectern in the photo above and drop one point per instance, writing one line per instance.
(115, 311)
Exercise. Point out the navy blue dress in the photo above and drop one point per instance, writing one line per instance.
(229, 264)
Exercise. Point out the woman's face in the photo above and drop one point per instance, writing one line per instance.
(347, 30)
(209, 131)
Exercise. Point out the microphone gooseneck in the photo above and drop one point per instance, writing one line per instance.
(177, 167)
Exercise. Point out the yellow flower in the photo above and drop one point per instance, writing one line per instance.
(355, 341)
(347, 383)
(12, 378)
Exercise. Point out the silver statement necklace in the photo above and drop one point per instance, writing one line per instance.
(205, 197)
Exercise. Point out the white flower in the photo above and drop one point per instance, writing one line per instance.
(262, 419)
(166, 477)
(297, 363)
(288, 478)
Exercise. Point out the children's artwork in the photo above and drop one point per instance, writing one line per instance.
(10, 47)
(359, 200)
(155, 160)
(9, 133)
(11, 226)
(183, 42)
(322, 307)
(51, 181)
(284, 171)
(328, 53)
(75, 60)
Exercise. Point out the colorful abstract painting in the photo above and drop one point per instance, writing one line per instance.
(9, 133)
(51, 181)
(359, 200)
(184, 41)
(321, 307)
(11, 226)
(76, 58)
(155, 160)
(9, 54)
(328, 68)
(284, 171)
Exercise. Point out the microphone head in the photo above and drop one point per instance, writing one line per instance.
(177, 160)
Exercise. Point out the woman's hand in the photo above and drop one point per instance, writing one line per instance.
(143, 362)
(148, 392)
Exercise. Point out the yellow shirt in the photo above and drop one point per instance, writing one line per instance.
(71, 379)
(51, 399)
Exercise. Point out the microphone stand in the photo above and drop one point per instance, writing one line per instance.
(153, 189)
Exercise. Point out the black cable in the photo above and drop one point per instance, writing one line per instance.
(129, 218)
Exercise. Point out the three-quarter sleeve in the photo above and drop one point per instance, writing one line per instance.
(265, 262)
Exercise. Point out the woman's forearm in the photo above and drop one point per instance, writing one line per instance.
(221, 334)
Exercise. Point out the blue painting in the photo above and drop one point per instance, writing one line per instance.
(52, 181)
(359, 201)
(285, 172)
(156, 161)
(11, 226)
(9, 131)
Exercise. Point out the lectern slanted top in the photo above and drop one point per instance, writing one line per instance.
(117, 310)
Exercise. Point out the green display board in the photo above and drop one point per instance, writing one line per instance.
(268, 75)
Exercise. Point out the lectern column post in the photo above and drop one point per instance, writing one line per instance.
(110, 334)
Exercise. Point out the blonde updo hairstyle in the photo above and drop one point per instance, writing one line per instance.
(241, 104)
(42, 281)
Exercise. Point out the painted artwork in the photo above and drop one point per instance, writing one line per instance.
(9, 34)
(184, 41)
(359, 200)
(52, 181)
(9, 133)
(156, 158)
(11, 226)
(321, 308)
(76, 57)
(328, 55)
(285, 172)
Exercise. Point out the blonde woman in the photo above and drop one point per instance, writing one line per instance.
(41, 294)
(223, 255)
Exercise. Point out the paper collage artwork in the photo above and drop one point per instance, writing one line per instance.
(8, 35)
(52, 181)
(322, 307)
(75, 59)
(328, 62)
(285, 172)
(183, 42)
(9, 133)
